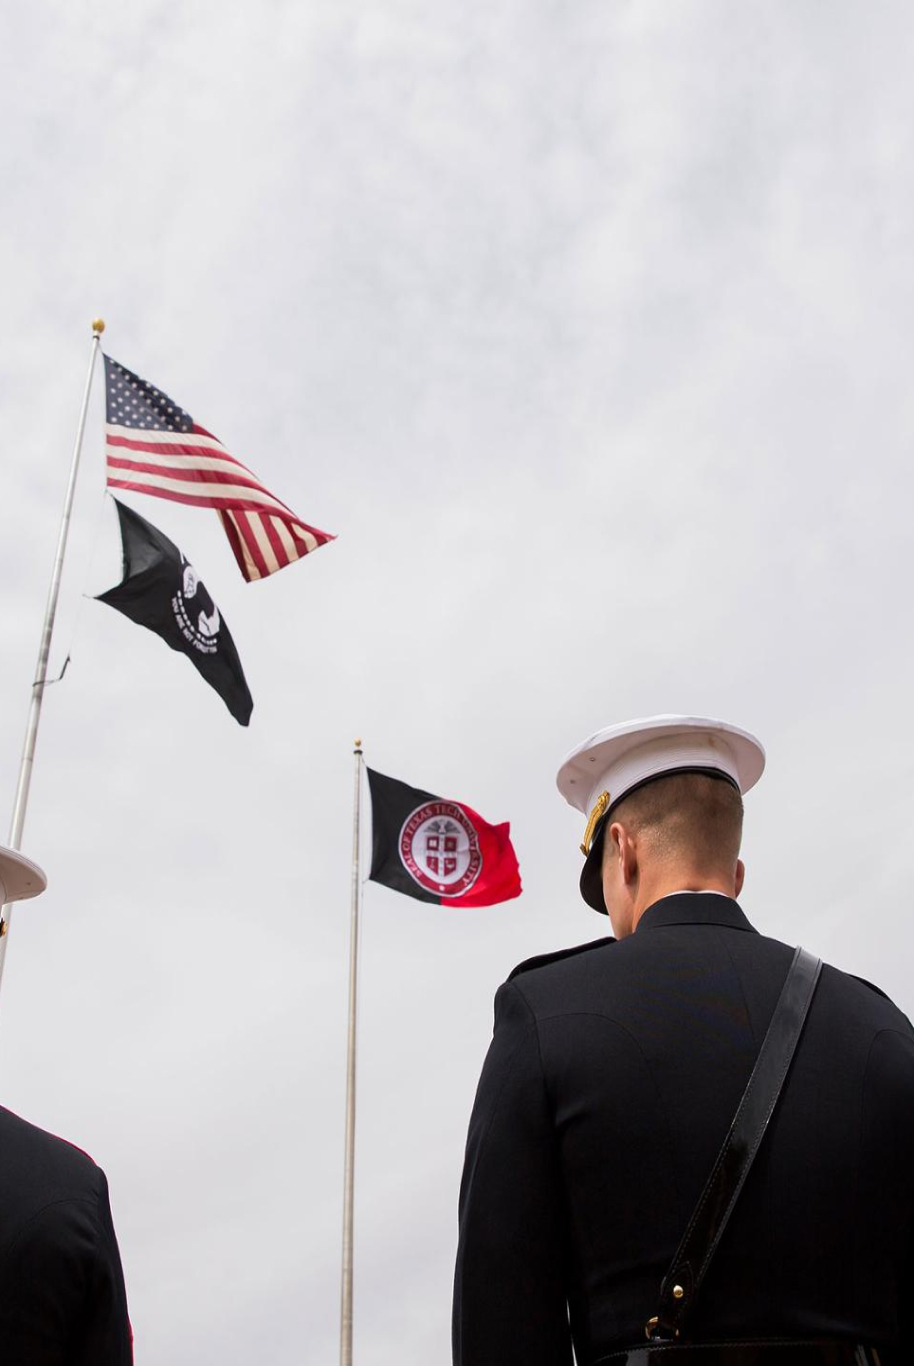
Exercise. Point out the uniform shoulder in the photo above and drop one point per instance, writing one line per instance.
(543, 960)
(50, 1161)
(872, 986)
(879, 1006)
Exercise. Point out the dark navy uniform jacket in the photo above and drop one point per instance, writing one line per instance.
(611, 1081)
(62, 1298)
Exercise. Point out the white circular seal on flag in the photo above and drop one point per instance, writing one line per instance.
(439, 848)
(202, 633)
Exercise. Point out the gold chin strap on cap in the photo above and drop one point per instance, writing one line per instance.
(593, 820)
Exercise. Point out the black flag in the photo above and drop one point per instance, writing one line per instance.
(160, 590)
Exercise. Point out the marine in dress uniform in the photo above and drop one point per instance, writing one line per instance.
(613, 1076)
(62, 1297)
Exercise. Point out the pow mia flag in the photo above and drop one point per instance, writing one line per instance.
(438, 850)
(160, 590)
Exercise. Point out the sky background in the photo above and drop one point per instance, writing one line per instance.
(588, 328)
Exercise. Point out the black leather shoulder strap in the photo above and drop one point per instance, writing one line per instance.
(709, 1218)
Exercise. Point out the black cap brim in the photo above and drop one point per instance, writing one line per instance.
(591, 883)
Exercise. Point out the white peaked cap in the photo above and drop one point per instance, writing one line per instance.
(620, 757)
(613, 762)
(20, 878)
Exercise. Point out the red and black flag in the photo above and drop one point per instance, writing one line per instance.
(160, 590)
(438, 850)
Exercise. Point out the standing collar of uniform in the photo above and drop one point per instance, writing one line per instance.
(694, 908)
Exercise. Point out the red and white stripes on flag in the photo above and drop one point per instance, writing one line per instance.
(154, 447)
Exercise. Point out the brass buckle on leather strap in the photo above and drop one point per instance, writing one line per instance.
(651, 1333)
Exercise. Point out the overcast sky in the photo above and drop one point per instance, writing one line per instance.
(588, 328)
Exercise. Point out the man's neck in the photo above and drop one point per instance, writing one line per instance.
(650, 893)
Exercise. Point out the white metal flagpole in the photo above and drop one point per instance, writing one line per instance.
(349, 1162)
(44, 650)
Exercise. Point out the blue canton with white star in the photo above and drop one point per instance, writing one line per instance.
(131, 402)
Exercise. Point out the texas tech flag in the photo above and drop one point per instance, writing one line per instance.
(438, 850)
(161, 591)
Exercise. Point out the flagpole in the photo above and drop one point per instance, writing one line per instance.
(44, 650)
(349, 1162)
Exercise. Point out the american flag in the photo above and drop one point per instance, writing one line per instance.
(153, 446)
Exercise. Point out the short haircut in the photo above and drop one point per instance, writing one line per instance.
(692, 816)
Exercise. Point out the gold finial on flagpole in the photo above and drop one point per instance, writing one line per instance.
(358, 747)
(98, 326)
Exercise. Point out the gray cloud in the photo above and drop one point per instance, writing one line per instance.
(587, 329)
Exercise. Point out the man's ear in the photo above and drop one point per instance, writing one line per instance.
(740, 876)
(610, 845)
(627, 853)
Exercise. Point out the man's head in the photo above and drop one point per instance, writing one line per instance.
(681, 832)
(618, 779)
